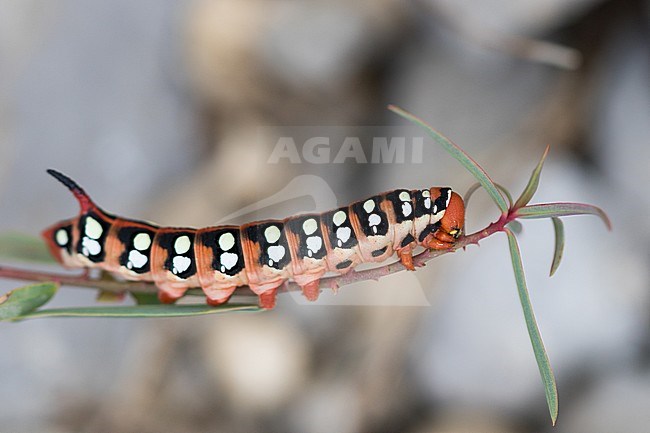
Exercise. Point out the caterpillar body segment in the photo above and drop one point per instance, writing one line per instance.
(263, 254)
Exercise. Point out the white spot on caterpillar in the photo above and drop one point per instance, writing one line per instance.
(90, 247)
(374, 221)
(404, 196)
(448, 199)
(228, 260)
(314, 244)
(272, 234)
(226, 242)
(62, 237)
(136, 260)
(93, 228)
(369, 205)
(339, 218)
(182, 245)
(141, 242)
(435, 209)
(426, 193)
(343, 234)
(275, 252)
(427, 203)
(406, 209)
(310, 226)
(181, 264)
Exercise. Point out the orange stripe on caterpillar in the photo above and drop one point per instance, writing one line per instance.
(261, 254)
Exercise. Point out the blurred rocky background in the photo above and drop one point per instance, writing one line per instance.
(169, 110)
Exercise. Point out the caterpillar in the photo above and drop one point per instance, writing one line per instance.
(262, 254)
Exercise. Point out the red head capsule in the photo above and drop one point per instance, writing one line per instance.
(453, 220)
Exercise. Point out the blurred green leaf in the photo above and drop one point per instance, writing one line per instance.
(110, 297)
(472, 189)
(18, 302)
(470, 192)
(24, 248)
(145, 298)
(558, 227)
(460, 156)
(515, 226)
(141, 311)
(549, 210)
(543, 362)
(533, 183)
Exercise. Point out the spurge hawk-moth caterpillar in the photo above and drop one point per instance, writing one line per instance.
(262, 254)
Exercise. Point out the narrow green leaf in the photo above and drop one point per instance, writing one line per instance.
(543, 362)
(549, 210)
(24, 248)
(533, 183)
(559, 244)
(141, 311)
(459, 154)
(24, 300)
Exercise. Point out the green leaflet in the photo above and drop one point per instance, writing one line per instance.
(19, 302)
(459, 155)
(515, 226)
(533, 183)
(558, 227)
(23, 303)
(140, 311)
(24, 248)
(548, 210)
(541, 357)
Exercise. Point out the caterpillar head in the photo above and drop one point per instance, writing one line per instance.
(453, 221)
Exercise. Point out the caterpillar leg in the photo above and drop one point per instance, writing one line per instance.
(406, 257)
(309, 282)
(267, 298)
(444, 237)
(216, 297)
(169, 295)
(434, 242)
(311, 290)
(266, 292)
